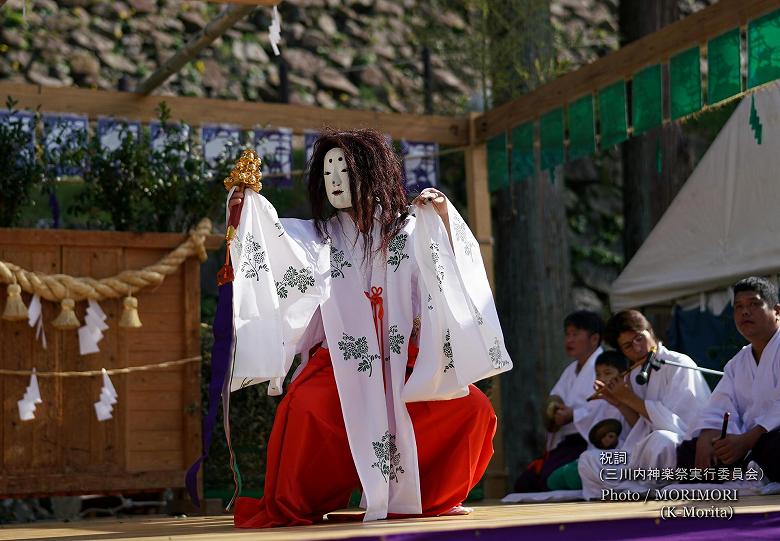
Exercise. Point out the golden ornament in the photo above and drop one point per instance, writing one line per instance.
(247, 172)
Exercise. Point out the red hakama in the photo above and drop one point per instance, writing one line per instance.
(309, 468)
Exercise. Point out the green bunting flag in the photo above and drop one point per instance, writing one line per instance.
(764, 49)
(723, 67)
(523, 161)
(498, 174)
(612, 115)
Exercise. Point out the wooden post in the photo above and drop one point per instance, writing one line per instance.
(480, 221)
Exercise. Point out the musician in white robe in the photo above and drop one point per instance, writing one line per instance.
(394, 319)
(574, 417)
(660, 412)
(749, 391)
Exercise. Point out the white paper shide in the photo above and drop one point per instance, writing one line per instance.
(32, 396)
(92, 331)
(105, 406)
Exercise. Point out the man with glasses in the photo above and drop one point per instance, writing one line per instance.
(749, 391)
(661, 411)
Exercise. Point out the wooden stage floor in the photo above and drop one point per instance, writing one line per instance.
(487, 519)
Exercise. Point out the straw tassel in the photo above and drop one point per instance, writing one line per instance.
(15, 310)
(130, 319)
(67, 320)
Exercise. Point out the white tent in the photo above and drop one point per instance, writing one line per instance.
(725, 222)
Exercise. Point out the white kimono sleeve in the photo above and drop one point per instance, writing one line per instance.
(282, 273)
(460, 336)
(721, 401)
(684, 393)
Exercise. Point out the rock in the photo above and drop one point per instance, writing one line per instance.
(38, 75)
(385, 50)
(597, 277)
(406, 52)
(296, 32)
(237, 50)
(586, 299)
(62, 23)
(314, 39)
(49, 6)
(193, 21)
(121, 10)
(272, 72)
(372, 76)
(355, 30)
(117, 62)
(143, 6)
(191, 88)
(174, 24)
(297, 98)
(20, 58)
(302, 83)
(311, 3)
(395, 103)
(327, 25)
(333, 79)
(450, 19)
(303, 62)
(81, 37)
(84, 63)
(256, 77)
(391, 8)
(326, 100)
(446, 78)
(82, 15)
(14, 38)
(256, 53)
(213, 76)
(163, 39)
(342, 57)
(245, 26)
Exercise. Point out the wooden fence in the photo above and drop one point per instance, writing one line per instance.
(155, 433)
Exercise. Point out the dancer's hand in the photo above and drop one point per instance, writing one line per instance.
(237, 198)
(435, 197)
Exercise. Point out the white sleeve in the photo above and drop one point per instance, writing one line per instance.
(282, 274)
(461, 340)
(721, 401)
(685, 393)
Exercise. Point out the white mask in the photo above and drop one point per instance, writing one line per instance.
(337, 179)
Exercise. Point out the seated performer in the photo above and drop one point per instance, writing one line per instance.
(394, 319)
(568, 396)
(606, 422)
(749, 391)
(605, 434)
(659, 412)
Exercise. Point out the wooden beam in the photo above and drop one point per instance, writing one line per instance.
(480, 221)
(203, 39)
(694, 30)
(267, 3)
(246, 115)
